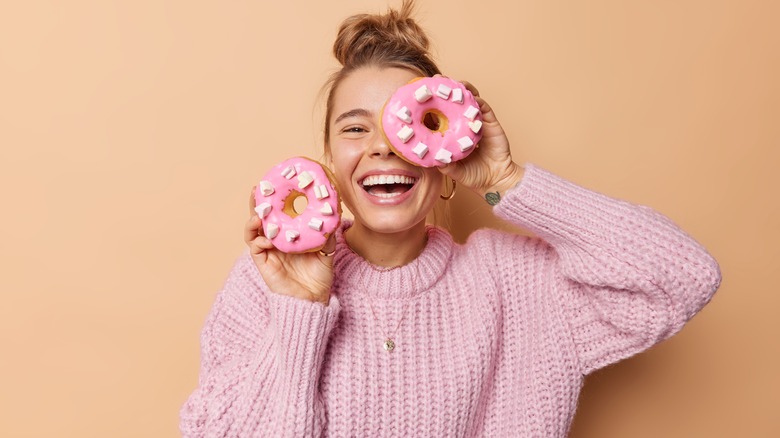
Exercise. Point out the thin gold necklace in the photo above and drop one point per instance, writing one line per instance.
(389, 342)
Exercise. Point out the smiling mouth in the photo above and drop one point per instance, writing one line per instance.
(387, 186)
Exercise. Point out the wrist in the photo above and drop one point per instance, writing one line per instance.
(503, 184)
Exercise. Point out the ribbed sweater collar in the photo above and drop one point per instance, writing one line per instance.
(354, 273)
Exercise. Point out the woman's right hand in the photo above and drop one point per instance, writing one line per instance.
(306, 276)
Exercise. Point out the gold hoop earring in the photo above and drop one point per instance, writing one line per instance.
(452, 193)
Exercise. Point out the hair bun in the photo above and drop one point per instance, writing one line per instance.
(389, 40)
(362, 37)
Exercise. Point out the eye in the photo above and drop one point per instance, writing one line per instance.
(353, 129)
(354, 132)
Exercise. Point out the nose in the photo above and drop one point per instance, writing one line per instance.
(379, 148)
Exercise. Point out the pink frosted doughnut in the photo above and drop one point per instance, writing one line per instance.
(450, 104)
(275, 195)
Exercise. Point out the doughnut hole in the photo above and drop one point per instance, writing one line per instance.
(435, 121)
(295, 204)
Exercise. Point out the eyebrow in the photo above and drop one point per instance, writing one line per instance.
(357, 112)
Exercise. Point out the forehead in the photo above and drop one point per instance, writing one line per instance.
(368, 88)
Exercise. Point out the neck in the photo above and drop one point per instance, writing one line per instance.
(387, 249)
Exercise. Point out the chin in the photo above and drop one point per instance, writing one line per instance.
(391, 223)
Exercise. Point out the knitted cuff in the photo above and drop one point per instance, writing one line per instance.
(301, 331)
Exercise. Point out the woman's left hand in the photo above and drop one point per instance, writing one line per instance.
(490, 167)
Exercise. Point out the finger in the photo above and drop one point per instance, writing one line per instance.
(471, 88)
(252, 203)
(453, 170)
(258, 249)
(488, 116)
(260, 244)
(253, 228)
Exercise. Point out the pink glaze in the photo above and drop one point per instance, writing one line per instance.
(309, 238)
(453, 111)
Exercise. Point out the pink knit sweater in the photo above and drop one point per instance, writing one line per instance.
(496, 338)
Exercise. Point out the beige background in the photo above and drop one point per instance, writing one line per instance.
(131, 132)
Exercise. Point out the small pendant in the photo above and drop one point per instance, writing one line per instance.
(389, 345)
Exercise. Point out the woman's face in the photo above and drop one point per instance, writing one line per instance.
(385, 193)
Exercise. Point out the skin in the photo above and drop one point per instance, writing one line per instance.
(387, 231)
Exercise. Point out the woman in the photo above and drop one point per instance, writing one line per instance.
(394, 330)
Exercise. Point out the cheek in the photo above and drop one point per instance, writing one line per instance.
(435, 185)
(435, 177)
(343, 161)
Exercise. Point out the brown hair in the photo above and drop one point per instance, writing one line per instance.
(393, 39)
(385, 40)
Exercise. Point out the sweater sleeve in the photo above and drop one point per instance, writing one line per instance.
(625, 276)
(261, 356)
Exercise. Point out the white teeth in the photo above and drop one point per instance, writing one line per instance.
(386, 195)
(387, 179)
